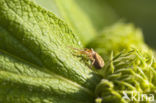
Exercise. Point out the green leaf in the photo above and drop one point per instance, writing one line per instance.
(71, 13)
(36, 64)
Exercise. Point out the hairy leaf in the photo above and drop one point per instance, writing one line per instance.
(36, 64)
(71, 13)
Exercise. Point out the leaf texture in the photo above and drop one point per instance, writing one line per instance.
(36, 64)
(71, 13)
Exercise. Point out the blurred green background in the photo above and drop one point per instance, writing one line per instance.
(140, 12)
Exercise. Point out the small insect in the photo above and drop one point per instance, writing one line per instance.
(96, 59)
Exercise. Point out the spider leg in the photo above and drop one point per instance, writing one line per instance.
(93, 61)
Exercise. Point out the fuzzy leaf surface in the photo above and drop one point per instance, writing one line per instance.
(36, 64)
